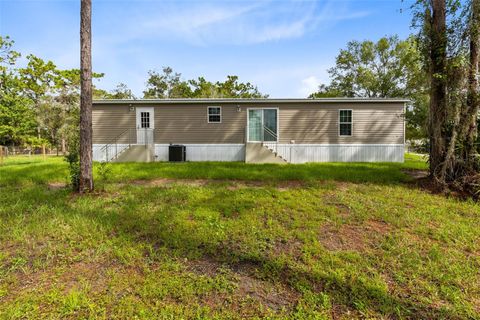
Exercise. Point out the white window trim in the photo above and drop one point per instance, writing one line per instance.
(339, 123)
(278, 124)
(208, 114)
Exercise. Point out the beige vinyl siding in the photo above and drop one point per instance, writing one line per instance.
(319, 124)
(307, 123)
(189, 124)
(108, 122)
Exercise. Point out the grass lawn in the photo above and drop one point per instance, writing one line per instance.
(231, 241)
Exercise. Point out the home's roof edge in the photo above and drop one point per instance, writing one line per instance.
(194, 101)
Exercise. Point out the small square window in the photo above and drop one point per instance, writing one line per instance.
(214, 114)
(345, 123)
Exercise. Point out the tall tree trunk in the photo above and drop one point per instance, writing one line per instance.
(473, 99)
(438, 81)
(465, 124)
(86, 175)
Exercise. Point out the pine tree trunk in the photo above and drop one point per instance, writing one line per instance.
(86, 175)
(438, 106)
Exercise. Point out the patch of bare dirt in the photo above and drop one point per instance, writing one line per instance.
(379, 227)
(275, 297)
(291, 247)
(207, 267)
(56, 185)
(353, 237)
(343, 238)
(68, 277)
(343, 209)
(94, 273)
(231, 184)
(167, 182)
(343, 186)
(257, 292)
(291, 184)
(416, 174)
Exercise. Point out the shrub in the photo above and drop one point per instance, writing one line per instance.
(73, 159)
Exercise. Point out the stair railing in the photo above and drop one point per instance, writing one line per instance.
(110, 155)
(272, 145)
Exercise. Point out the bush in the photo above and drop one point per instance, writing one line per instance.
(104, 170)
(73, 159)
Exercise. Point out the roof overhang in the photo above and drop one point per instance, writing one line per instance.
(249, 101)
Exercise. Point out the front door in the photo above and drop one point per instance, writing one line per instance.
(262, 125)
(145, 125)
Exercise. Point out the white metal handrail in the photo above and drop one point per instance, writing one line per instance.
(114, 143)
(272, 145)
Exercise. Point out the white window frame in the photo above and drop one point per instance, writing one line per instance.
(340, 123)
(278, 124)
(208, 114)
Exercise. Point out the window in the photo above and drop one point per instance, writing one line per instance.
(145, 120)
(214, 114)
(345, 122)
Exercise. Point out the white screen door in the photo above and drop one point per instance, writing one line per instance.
(145, 125)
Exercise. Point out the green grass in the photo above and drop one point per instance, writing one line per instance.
(230, 241)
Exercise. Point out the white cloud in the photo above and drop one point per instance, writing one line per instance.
(309, 85)
(237, 23)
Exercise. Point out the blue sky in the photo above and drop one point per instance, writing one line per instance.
(284, 47)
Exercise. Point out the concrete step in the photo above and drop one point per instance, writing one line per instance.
(258, 153)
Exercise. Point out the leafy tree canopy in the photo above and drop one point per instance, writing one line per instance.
(169, 84)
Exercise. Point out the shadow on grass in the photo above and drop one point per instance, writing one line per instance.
(162, 228)
(19, 174)
(17, 171)
(380, 173)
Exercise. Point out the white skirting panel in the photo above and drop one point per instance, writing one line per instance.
(293, 153)
(205, 152)
(301, 153)
(100, 153)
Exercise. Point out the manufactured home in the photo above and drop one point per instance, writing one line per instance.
(250, 130)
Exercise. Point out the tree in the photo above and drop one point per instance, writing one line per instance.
(86, 173)
(166, 85)
(53, 120)
(387, 68)
(7, 55)
(325, 91)
(170, 85)
(121, 91)
(449, 33)
(17, 120)
(435, 27)
(38, 78)
(232, 88)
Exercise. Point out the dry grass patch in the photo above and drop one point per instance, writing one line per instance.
(353, 237)
(252, 295)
